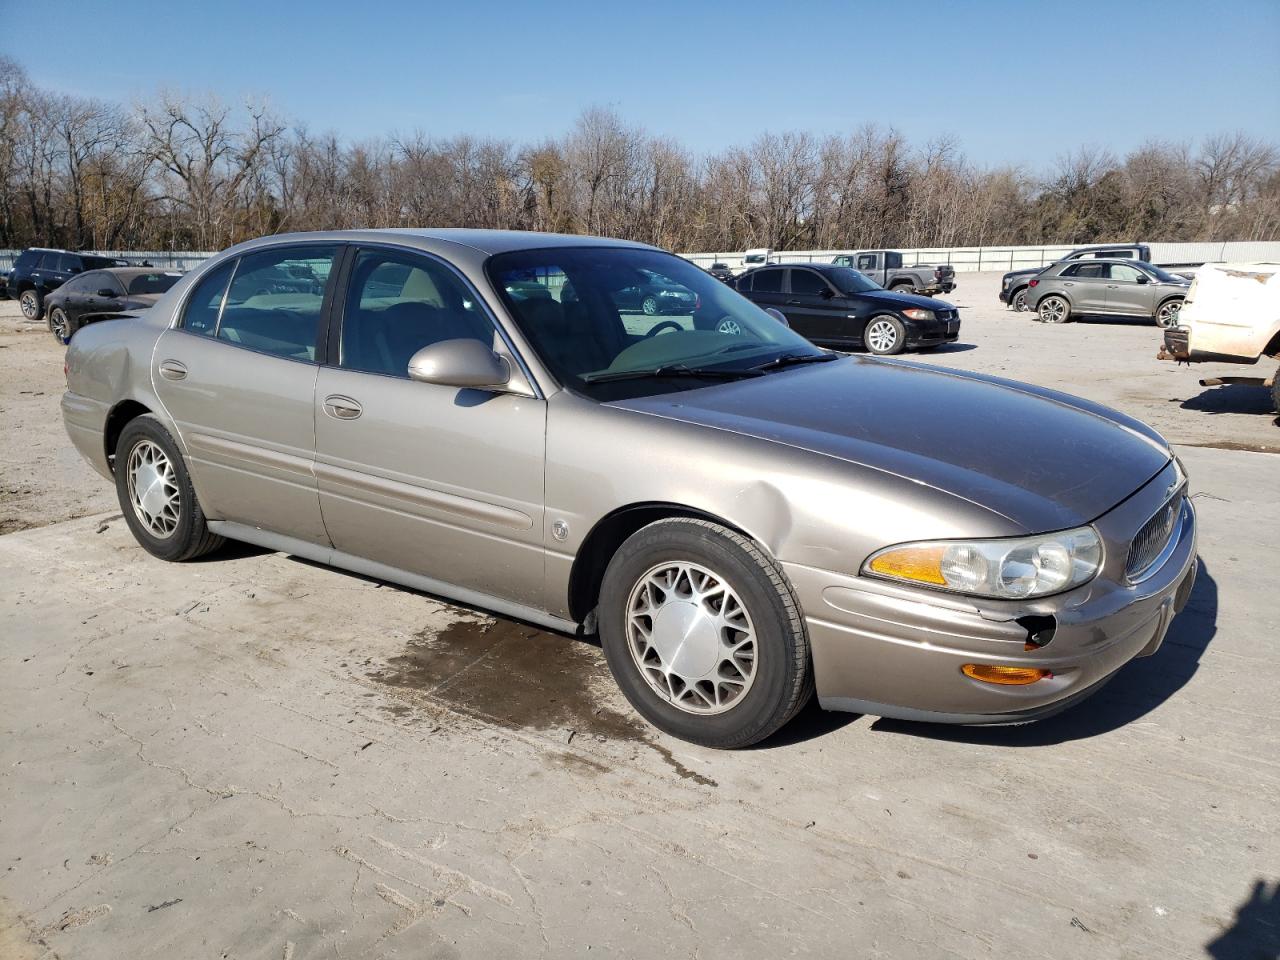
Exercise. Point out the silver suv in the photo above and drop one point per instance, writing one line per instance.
(1123, 288)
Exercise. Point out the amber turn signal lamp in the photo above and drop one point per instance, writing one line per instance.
(1006, 675)
(922, 564)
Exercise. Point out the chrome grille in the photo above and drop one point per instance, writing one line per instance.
(1152, 539)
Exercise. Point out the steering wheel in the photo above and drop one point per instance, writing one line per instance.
(660, 327)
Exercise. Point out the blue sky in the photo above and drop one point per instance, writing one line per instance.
(1013, 82)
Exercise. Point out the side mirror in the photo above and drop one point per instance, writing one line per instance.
(459, 363)
(1143, 278)
(107, 292)
(777, 315)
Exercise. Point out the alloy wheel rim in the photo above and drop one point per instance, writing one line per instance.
(1168, 314)
(882, 335)
(691, 637)
(58, 321)
(729, 326)
(649, 306)
(28, 304)
(1052, 311)
(153, 489)
(1020, 302)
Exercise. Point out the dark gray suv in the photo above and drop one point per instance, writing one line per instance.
(1120, 288)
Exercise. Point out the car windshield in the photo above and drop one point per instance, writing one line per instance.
(145, 283)
(598, 315)
(849, 280)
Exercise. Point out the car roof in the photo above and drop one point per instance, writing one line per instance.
(487, 242)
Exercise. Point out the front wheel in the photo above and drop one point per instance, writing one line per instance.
(1167, 314)
(156, 497)
(1020, 304)
(885, 336)
(31, 304)
(703, 634)
(1054, 310)
(649, 306)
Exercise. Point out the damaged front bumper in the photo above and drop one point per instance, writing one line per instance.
(896, 651)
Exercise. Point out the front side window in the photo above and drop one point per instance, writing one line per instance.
(848, 280)
(397, 304)
(807, 283)
(205, 302)
(106, 281)
(1122, 271)
(273, 303)
(590, 344)
(867, 261)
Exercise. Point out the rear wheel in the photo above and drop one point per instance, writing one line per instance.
(156, 496)
(649, 305)
(31, 304)
(703, 633)
(59, 325)
(1054, 309)
(1167, 314)
(885, 335)
(902, 287)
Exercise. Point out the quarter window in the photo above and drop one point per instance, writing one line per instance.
(397, 304)
(205, 303)
(807, 283)
(273, 303)
(767, 281)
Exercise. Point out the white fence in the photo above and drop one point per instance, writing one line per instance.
(964, 259)
(969, 259)
(164, 259)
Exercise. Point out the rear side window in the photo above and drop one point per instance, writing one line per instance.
(68, 263)
(205, 303)
(273, 303)
(146, 283)
(767, 281)
(82, 283)
(808, 283)
(27, 259)
(1087, 271)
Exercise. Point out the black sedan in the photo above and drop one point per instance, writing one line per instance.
(104, 295)
(836, 306)
(654, 294)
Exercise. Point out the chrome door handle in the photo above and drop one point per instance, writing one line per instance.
(342, 408)
(172, 370)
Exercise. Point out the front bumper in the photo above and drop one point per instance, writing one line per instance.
(932, 334)
(891, 650)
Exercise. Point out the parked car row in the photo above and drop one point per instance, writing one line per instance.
(744, 518)
(39, 271)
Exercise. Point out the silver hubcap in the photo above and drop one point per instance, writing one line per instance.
(28, 304)
(1052, 311)
(691, 638)
(1168, 314)
(153, 489)
(649, 306)
(882, 335)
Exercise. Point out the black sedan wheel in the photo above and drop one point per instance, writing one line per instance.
(885, 335)
(59, 325)
(649, 305)
(30, 304)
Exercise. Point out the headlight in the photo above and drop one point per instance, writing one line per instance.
(1006, 569)
(917, 314)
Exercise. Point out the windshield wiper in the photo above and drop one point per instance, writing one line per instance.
(671, 370)
(791, 359)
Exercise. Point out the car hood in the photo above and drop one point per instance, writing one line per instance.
(1042, 460)
(1024, 273)
(901, 301)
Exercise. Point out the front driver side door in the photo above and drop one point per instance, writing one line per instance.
(812, 309)
(1130, 291)
(438, 481)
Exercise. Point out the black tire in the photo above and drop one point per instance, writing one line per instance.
(1053, 309)
(32, 304)
(1275, 392)
(190, 537)
(1019, 301)
(1167, 313)
(883, 346)
(649, 306)
(59, 325)
(903, 288)
(783, 678)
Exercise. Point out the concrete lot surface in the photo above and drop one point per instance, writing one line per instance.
(256, 757)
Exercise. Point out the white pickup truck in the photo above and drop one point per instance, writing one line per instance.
(1231, 315)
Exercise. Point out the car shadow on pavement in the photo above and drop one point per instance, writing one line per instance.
(1230, 398)
(1256, 930)
(950, 348)
(1139, 687)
